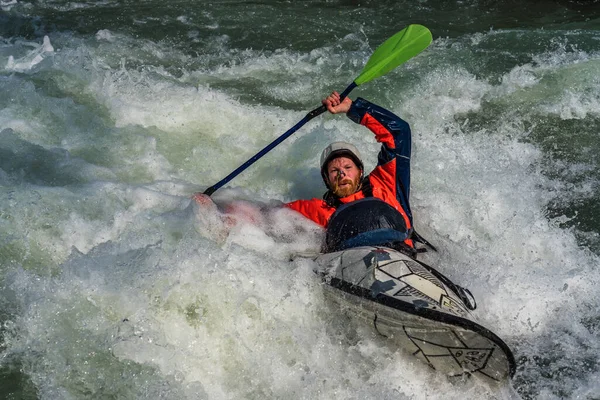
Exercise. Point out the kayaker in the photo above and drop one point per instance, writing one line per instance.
(359, 210)
(365, 210)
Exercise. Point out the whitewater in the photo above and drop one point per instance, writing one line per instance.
(115, 284)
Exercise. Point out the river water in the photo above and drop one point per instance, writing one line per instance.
(114, 285)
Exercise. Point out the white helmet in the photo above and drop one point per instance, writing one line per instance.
(339, 149)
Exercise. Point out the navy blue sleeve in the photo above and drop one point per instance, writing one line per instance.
(395, 135)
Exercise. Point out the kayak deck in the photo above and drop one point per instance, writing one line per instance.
(407, 303)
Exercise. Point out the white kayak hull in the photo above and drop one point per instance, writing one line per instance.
(414, 305)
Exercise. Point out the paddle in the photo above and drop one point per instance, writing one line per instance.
(398, 49)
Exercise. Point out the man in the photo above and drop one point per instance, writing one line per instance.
(359, 210)
(365, 210)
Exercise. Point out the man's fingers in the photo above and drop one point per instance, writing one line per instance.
(202, 199)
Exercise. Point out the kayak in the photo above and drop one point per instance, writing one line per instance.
(417, 307)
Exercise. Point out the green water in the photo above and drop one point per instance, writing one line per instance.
(114, 286)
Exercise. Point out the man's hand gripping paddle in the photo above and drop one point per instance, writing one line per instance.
(395, 51)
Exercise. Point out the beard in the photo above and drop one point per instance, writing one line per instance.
(349, 187)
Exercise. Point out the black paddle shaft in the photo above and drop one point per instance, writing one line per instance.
(316, 112)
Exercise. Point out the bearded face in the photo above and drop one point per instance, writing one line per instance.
(343, 176)
(344, 187)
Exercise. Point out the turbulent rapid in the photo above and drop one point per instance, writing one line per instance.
(115, 284)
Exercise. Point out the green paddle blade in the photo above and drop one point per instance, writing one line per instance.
(398, 49)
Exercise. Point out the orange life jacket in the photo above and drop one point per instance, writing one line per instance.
(389, 181)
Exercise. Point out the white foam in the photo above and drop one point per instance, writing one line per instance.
(574, 98)
(32, 59)
(576, 105)
(482, 197)
(222, 323)
(105, 34)
(8, 5)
